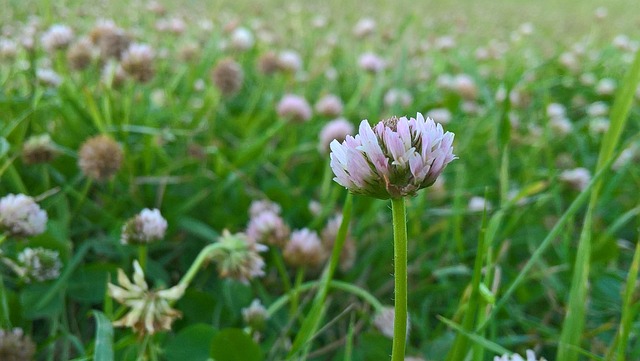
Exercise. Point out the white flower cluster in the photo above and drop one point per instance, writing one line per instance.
(21, 216)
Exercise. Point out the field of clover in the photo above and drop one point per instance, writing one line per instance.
(248, 181)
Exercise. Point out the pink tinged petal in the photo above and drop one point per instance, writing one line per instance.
(338, 151)
(395, 147)
(371, 148)
(358, 168)
(404, 132)
(419, 168)
(342, 177)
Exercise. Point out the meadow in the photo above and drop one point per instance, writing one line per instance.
(168, 190)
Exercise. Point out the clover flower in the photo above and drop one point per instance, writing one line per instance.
(295, 108)
(268, 228)
(39, 149)
(238, 257)
(21, 216)
(394, 159)
(337, 129)
(329, 105)
(228, 76)
(265, 205)
(255, 315)
(137, 61)
(100, 157)
(15, 346)
(57, 37)
(38, 264)
(371, 62)
(145, 227)
(531, 356)
(150, 310)
(577, 178)
(80, 54)
(304, 249)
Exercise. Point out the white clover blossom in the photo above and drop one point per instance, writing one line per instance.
(531, 356)
(395, 158)
(38, 264)
(265, 205)
(147, 226)
(371, 62)
(57, 37)
(577, 178)
(255, 315)
(150, 310)
(21, 216)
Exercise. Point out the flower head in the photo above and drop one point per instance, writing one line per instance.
(38, 264)
(39, 149)
(396, 158)
(137, 61)
(100, 157)
(304, 249)
(15, 346)
(147, 226)
(255, 315)
(228, 76)
(21, 216)
(531, 356)
(337, 129)
(294, 107)
(150, 309)
(269, 228)
(57, 37)
(239, 257)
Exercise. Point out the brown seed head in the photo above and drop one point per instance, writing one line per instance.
(100, 157)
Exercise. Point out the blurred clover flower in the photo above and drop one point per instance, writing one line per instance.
(394, 159)
(37, 264)
(57, 37)
(337, 129)
(39, 149)
(15, 346)
(150, 310)
(147, 226)
(21, 216)
(531, 356)
(269, 228)
(100, 157)
(295, 108)
(384, 320)
(255, 315)
(238, 257)
(304, 249)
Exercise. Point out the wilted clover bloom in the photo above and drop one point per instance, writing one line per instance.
(100, 157)
(147, 226)
(39, 149)
(238, 257)
(395, 158)
(531, 356)
(15, 346)
(150, 309)
(38, 264)
(21, 216)
(228, 76)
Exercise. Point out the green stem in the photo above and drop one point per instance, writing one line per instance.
(296, 293)
(338, 285)
(282, 270)
(142, 256)
(5, 320)
(203, 256)
(400, 273)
